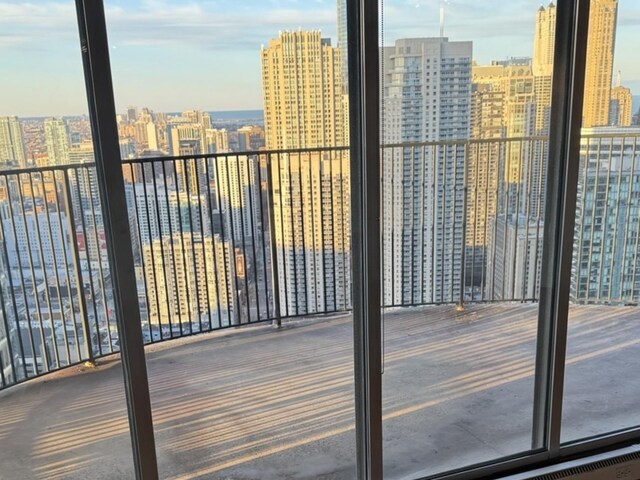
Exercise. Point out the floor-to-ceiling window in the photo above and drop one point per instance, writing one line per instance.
(56, 296)
(483, 308)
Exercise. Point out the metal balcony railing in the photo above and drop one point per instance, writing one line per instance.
(228, 239)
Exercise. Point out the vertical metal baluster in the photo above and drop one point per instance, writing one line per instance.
(476, 189)
(539, 220)
(345, 215)
(412, 257)
(21, 282)
(332, 229)
(102, 287)
(614, 236)
(383, 246)
(187, 181)
(442, 210)
(247, 295)
(403, 229)
(101, 273)
(596, 188)
(3, 381)
(506, 219)
(3, 309)
(227, 272)
(201, 220)
(485, 249)
(517, 227)
(275, 277)
(232, 290)
(88, 257)
(72, 240)
(300, 215)
(393, 230)
(637, 233)
(343, 233)
(181, 230)
(76, 265)
(252, 215)
(43, 345)
(452, 214)
(134, 207)
(11, 284)
(285, 257)
(434, 219)
(465, 192)
(60, 201)
(423, 191)
(502, 186)
(43, 265)
(585, 187)
(261, 234)
(527, 199)
(605, 222)
(172, 247)
(6, 382)
(160, 240)
(293, 236)
(628, 220)
(232, 228)
(388, 157)
(313, 250)
(213, 243)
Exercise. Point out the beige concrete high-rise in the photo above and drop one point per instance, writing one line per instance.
(542, 65)
(304, 107)
(487, 113)
(216, 140)
(599, 68)
(189, 279)
(515, 79)
(621, 106)
(11, 142)
(302, 92)
(544, 41)
(56, 136)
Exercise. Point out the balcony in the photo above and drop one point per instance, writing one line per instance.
(271, 403)
(224, 241)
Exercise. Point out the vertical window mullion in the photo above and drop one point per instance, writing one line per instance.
(98, 82)
(364, 108)
(562, 180)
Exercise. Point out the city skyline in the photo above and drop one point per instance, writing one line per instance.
(141, 32)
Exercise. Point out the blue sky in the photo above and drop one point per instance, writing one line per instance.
(172, 55)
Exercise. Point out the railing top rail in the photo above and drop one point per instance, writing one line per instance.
(47, 168)
(434, 143)
(612, 135)
(235, 154)
(464, 141)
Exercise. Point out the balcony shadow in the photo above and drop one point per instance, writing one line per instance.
(268, 403)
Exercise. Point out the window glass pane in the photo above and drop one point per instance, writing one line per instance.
(56, 299)
(601, 384)
(234, 226)
(465, 119)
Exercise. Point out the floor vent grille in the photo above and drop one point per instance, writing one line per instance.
(622, 464)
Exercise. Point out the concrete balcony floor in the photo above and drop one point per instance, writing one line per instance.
(263, 403)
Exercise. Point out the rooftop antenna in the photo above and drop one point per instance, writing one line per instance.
(442, 4)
